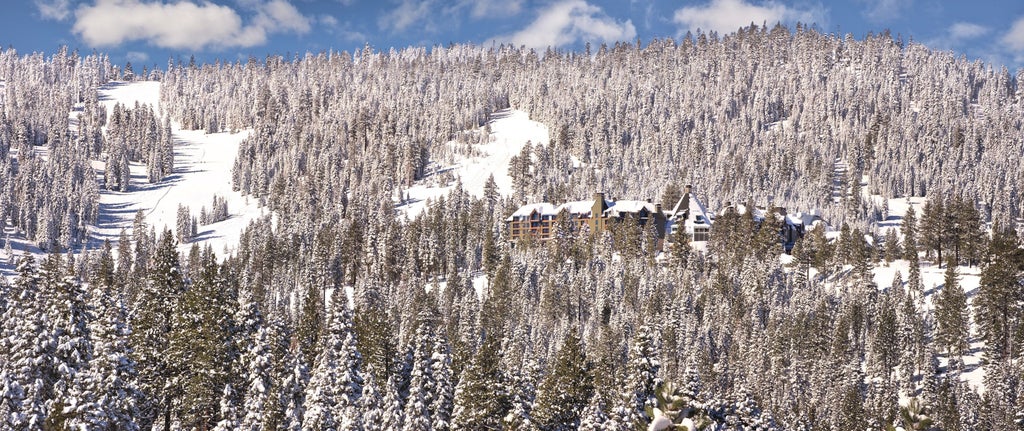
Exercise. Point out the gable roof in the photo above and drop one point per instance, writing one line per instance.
(577, 207)
(542, 208)
(622, 207)
(695, 210)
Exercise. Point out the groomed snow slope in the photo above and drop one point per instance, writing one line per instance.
(202, 169)
(510, 131)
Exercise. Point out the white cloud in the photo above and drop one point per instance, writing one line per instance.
(727, 16)
(183, 24)
(966, 30)
(1014, 39)
(568, 22)
(405, 15)
(328, 20)
(138, 57)
(885, 10)
(491, 8)
(342, 30)
(57, 10)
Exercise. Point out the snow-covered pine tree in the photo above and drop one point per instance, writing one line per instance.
(294, 388)
(371, 406)
(112, 373)
(422, 383)
(69, 315)
(481, 400)
(566, 390)
(641, 381)
(257, 402)
(29, 349)
(156, 307)
(952, 317)
(336, 382)
(228, 410)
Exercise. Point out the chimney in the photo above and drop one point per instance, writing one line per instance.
(648, 200)
(688, 189)
(657, 208)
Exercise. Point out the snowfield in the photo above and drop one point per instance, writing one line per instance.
(202, 169)
(510, 131)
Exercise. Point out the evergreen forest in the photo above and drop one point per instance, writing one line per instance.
(340, 311)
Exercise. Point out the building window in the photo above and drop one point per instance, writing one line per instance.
(701, 234)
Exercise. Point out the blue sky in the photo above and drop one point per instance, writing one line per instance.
(149, 32)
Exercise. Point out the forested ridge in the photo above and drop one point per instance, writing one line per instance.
(581, 332)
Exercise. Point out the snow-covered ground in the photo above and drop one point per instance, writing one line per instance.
(202, 169)
(510, 131)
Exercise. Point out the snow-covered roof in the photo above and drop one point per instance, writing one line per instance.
(697, 212)
(619, 207)
(756, 212)
(801, 218)
(542, 208)
(577, 207)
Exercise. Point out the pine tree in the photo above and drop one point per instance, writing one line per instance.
(228, 410)
(521, 385)
(73, 348)
(29, 349)
(157, 303)
(112, 373)
(294, 387)
(336, 382)
(885, 340)
(422, 383)
(567, 389)
(909, 229)
(444, 387)
(998, 306)
(392, 406)
(951, 315)
(481, 401)
(642, 378)
(893, 250)
(371, 408)
(593, 417)
(198, 357)
(311, 322)
(934, 231)
(258, 402)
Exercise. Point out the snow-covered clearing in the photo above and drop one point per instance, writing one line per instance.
(933, 280)
(202, 169)
(510, 131)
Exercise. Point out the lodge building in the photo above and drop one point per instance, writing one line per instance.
(538, 220)
(596, 215)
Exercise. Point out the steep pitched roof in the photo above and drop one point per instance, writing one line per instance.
(695, 211)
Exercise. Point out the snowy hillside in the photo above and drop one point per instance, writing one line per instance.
(202, 170)
(510, 130)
